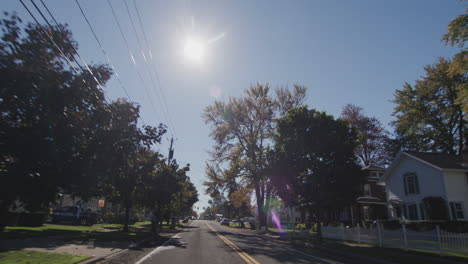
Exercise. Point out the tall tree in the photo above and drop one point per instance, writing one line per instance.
(457, 35)
(428, 117)
(50, 116)
(316, 167)
(128, 154)
(244, 127)
(372, 137)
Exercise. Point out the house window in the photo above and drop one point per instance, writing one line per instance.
(367, 190)
(412, 212)
(410, 182)
(457, 210)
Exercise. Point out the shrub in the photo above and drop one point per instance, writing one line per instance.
(32, 219)
(435, 208)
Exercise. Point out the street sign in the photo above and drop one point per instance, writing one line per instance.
(101, 203)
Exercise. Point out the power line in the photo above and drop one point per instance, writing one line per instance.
(153, 66)
(69, 42)
(104, 51)
(132, 57)
(50, 38)
(148, 68)
(55, 44)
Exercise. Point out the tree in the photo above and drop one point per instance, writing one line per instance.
(457, 35)
(428, 117)
(168, 192)
(243, 127)
(371, 136)
(128, 155)
(316, 167)
(50, 116)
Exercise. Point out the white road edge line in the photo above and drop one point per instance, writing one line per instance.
(160, 248)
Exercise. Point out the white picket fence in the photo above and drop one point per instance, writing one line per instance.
(436, 240)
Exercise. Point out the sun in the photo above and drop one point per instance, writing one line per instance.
(194, 50)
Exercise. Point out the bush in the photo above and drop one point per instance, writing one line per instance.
(456, 226)
(32, 219)
(435, 208)
(391, 224)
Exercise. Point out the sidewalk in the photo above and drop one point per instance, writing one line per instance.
(61, 244)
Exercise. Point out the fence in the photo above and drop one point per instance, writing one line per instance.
(435, 240)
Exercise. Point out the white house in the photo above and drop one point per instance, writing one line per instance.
(413, 176)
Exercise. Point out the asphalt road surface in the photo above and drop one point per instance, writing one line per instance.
(209, 242)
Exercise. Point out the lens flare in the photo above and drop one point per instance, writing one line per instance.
(277, 222)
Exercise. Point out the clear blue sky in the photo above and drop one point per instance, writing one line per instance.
(355, 52)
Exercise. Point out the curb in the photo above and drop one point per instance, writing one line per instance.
(102, 258)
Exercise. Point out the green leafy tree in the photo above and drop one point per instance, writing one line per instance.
(128, 154)
(168, 192)
(457, 35)
(50, 116)
(243, 128)
(428, 117)
(316, 166)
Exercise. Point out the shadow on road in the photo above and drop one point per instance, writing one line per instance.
(259, 247)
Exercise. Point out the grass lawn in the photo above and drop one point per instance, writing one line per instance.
(86, 233)
(30, 257)
(71, 231)
(21, 232)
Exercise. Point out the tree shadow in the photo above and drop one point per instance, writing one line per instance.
(257, 246)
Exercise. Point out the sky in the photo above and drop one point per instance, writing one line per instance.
(344, 52)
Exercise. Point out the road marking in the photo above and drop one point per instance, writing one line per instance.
(246, 257)
(162, 247)
(329, 261)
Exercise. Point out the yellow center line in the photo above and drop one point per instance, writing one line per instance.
(246, 257)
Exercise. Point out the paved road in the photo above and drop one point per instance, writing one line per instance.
(209, 242)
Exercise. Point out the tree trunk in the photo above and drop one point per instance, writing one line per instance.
(127, 214)
(3, 215)
(260, 203)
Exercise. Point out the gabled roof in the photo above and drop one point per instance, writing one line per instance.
(439, 161)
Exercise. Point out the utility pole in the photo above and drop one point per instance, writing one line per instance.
(171, 152)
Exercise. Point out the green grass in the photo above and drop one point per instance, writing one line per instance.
(30, 257)
(84, 233)
(21, 232)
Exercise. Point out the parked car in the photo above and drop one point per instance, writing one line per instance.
(250, 221)
(225, 221)
(74, 215)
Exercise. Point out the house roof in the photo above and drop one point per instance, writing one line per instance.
(372, 167)
(441, 160)
(438, 161)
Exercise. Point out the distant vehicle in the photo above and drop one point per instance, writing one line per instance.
(186, 219)
(224, 221)
(74, 215)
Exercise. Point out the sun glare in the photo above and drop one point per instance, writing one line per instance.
(194, 50)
